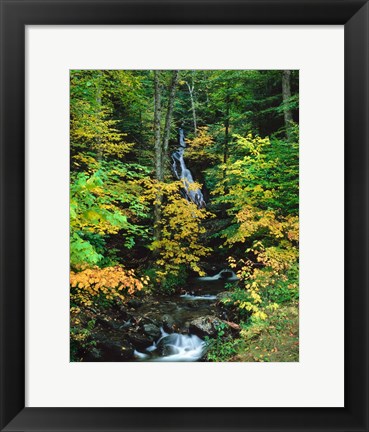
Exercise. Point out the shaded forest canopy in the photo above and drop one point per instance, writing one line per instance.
(133, 232)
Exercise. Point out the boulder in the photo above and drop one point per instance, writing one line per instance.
(152, 331)
(205, 326)
(139, 341)
(222, 295)
(168, 323)
(109, 349)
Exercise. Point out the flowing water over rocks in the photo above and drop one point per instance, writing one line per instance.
(160, 328)
(185, 321)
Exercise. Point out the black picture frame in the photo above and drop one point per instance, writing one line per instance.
(15, 15)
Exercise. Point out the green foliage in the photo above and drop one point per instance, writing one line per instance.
(232, 301)
(222, 347)
(103, 202)
(81, 341)
(170, 282)
(284, 289)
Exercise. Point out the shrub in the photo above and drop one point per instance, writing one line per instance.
(108, 284)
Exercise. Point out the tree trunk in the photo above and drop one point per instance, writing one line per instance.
(191, 89)
(286, 94)
(158, 155)
(162, 142)
(168, 118)
(157, 120)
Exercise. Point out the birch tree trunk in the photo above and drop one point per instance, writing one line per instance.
(286, 94)
(158, 154)
(191, 89)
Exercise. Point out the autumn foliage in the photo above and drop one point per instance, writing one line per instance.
(110, 283)
(181, 228)
(130, 216)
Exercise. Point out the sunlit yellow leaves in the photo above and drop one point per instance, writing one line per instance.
(180, 226)
(253, 144)
(200, 149)
(253, 220)
(109, 282)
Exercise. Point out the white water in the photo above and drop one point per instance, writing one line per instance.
(200, 297)
(180, 348)
(140, 355)
(221, 275)
(183, 173)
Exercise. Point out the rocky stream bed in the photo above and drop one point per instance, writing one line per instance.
(160, 328)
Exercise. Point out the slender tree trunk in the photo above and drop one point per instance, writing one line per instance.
(168, 118)
(158, 154)
(157, 134)
(286, 94)
(191, 89)
(162, 141)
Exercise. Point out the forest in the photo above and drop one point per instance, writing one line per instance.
(184, 215)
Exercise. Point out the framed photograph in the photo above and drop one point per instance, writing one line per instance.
(184, 215)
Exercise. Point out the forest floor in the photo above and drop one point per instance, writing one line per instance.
(275, 340)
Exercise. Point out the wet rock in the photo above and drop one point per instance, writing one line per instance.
(139, 341)
(205, 326)
(152, 331)
(222, 295)
(168, 323)
(108, 349)
(168, 345)
(226, 274)
(108, 323)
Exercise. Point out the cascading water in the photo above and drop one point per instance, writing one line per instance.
(199, 301)
(226, 275)
(180, 317)
(182, 173)
(174, 347)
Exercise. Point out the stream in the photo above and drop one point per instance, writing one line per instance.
(181, 312)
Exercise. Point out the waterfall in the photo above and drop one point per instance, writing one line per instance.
(184, 174)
